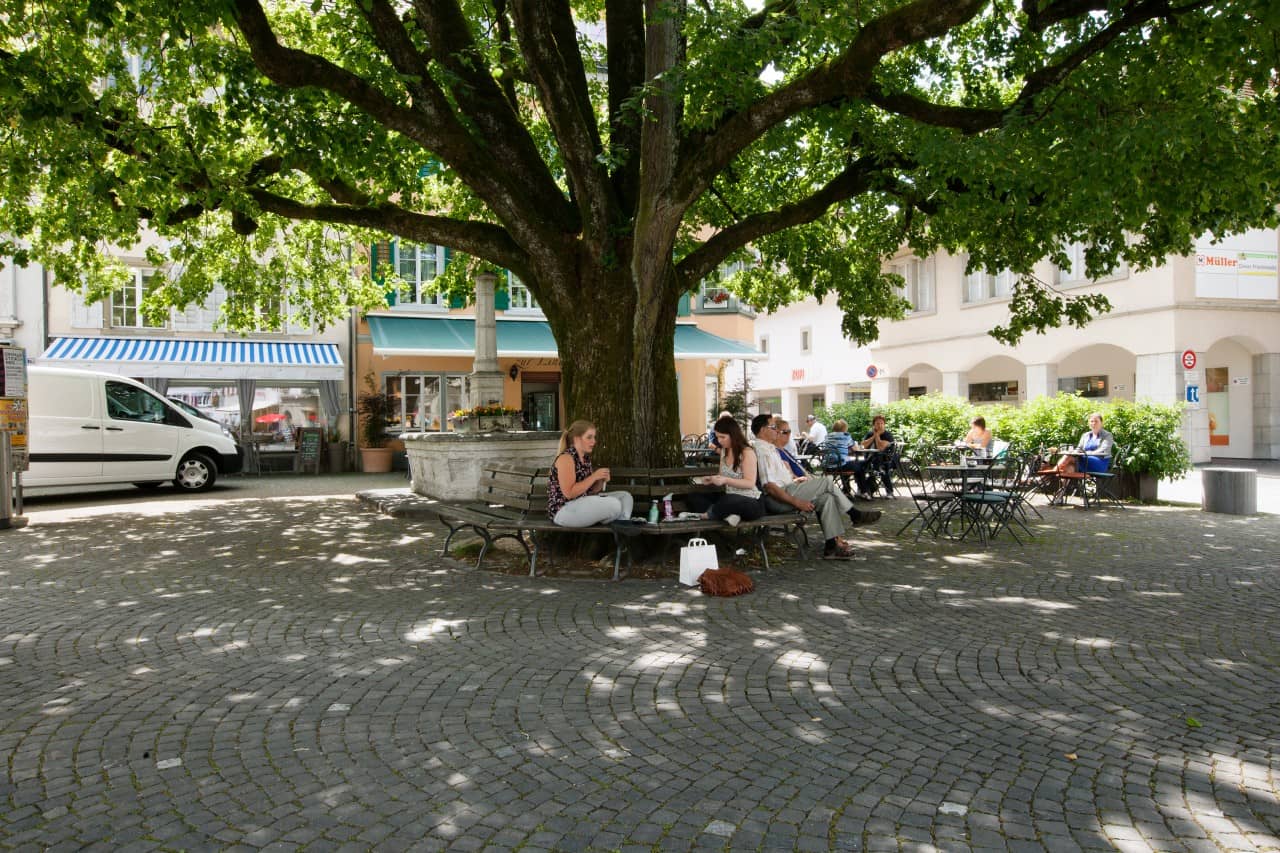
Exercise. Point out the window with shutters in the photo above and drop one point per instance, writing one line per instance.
(126, 303)
(417, 266)
(522, 300)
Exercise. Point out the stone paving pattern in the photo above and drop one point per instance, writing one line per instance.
(298, 672)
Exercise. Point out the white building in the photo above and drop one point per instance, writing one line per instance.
(1202, 329)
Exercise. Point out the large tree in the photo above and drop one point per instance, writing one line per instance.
(614, 154)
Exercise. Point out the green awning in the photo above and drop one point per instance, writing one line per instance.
(456, 336)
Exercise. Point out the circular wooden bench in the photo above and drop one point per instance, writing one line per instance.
(1229, 490)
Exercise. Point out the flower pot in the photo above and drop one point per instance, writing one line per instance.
(375, 460)
(337, 457)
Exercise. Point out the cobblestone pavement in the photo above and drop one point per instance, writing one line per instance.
(294, 671)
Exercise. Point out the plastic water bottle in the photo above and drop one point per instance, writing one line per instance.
(667, 514)
(653, 512)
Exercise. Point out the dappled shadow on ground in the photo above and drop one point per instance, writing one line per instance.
(1109, 684)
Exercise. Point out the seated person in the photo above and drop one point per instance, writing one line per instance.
(1093, 457)
(575, 489)
(1094, 449)
(835, 451)
(782, 436)
(817, 432)
(878, 438)
(978, 439)
(785, 492)
(740, 500)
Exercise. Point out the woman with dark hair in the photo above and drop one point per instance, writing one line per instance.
(740, 500)
(978, 438)
(575, 489)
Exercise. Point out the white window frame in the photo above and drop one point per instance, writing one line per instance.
(1074, 275)
(806, 340)
(138, 288)
(764, 345)
(520, 300)
(919, 284)
(413, 292)
(443, 405)
(985, 286)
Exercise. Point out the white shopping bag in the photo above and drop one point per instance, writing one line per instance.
(696, 558)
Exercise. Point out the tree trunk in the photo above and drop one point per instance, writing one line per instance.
(616, 366)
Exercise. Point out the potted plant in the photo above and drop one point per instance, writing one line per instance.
(491, 418)
(374, 408)
(337, 449)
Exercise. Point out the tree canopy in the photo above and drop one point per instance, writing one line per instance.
(614, 153)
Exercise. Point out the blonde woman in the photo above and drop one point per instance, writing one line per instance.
(575, 490)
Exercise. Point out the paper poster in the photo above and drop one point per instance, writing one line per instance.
(1216, 382)
(13, 372)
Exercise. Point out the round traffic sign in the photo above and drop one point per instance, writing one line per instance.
(872, 371)
(1189, 359)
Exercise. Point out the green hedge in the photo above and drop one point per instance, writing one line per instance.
(1149, 433)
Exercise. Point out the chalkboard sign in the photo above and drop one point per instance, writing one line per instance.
(309, 444)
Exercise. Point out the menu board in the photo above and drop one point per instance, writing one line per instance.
(309, 443)
(13, 373)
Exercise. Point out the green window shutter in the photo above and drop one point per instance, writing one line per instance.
(682, 308)
(502, 293)
(385, 259)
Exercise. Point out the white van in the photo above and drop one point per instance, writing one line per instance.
(88, 427)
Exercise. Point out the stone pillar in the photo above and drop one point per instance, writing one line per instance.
(486, 378)
(1161, 378)
(1042, 380)
(888, 389)
(834, 394)
(956, 384)
(1266, 405)
(791, 406)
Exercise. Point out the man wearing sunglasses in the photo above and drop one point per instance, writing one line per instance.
(784, 492)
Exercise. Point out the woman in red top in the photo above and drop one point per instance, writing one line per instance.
(575, 490)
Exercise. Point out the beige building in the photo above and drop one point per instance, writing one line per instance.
(1202, 329)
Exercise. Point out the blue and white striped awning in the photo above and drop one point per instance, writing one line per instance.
(185, 358)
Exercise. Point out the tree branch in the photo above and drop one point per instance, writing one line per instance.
(549, 42)
(857, 178)
(966, 119)
(624, 34)
(490, 242)
(431, 123)
(848, 76)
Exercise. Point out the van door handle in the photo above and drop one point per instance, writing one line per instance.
(87, 426)
(114, 429)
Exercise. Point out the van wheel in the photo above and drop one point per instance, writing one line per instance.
(154, 484)
(196, 473)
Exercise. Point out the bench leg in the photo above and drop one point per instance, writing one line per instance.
(444, 551)
(620, 545)
(762, 537)
(488, 540)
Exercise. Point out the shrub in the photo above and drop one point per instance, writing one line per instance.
(857, 414)
(1149, 433)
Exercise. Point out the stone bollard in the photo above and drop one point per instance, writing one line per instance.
(1230, 490)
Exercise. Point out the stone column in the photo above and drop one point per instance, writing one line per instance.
(889, 389)
(791, 406)
(1042, 380)
(834, 394)
(1266, 405)
(486, 378)
(956, 384)
(1161, 378)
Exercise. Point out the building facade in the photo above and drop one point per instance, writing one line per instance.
(1203, 330)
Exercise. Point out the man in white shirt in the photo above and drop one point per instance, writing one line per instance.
(817, 432)
(784, 492)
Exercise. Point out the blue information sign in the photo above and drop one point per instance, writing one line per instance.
(1193, 393)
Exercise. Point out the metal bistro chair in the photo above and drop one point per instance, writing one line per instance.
(1101, 486)
(995, 508)
(932, 506)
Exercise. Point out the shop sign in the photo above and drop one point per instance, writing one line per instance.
(797, 375)
(1240, 380)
